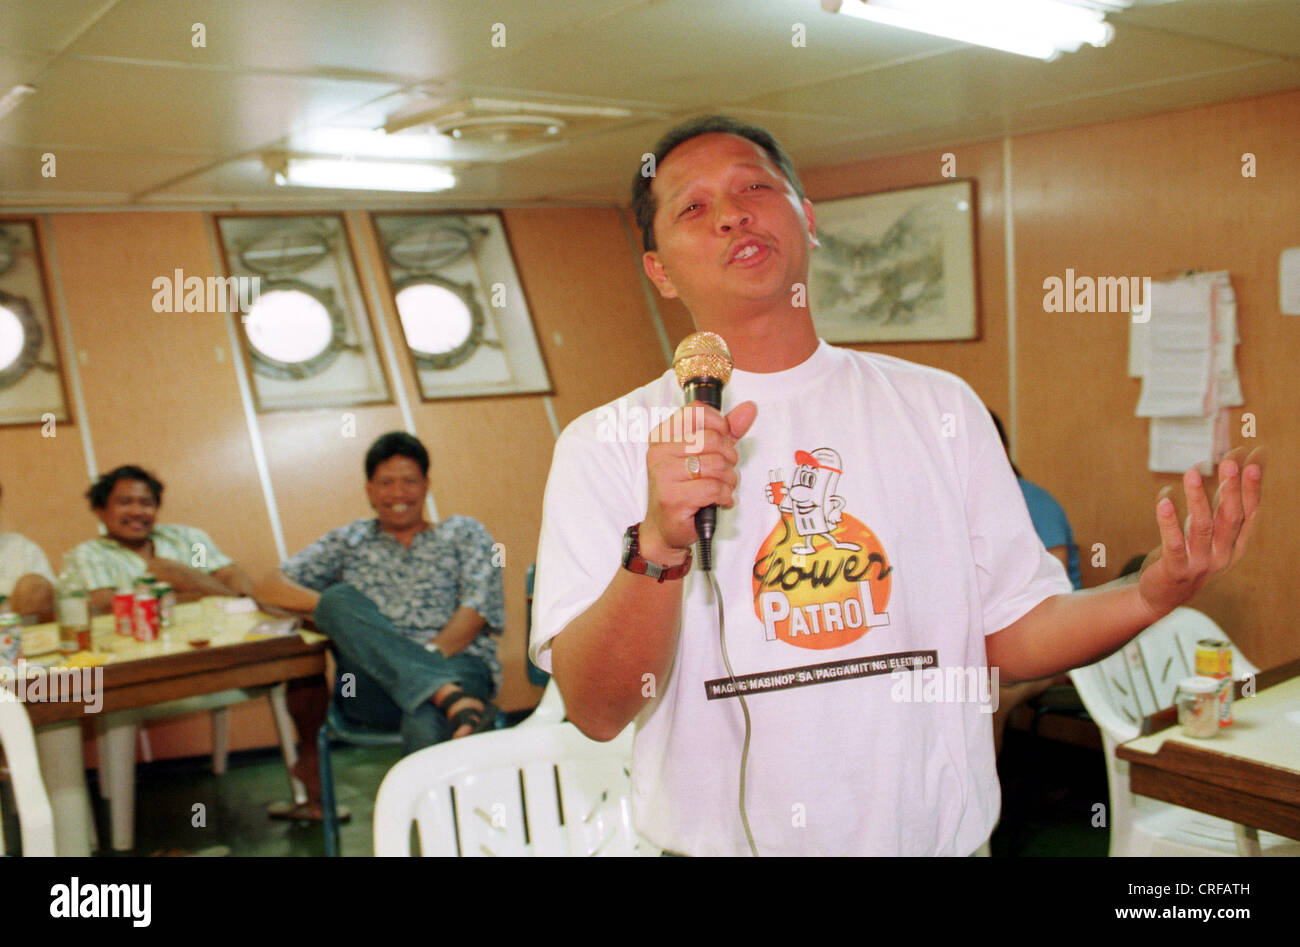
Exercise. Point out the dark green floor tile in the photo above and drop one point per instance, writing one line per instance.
(1049, 794)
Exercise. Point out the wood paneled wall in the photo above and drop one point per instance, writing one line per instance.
(1147, 196)
(161, 390)
(1153, 197)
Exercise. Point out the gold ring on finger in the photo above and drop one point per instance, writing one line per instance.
(693, 467)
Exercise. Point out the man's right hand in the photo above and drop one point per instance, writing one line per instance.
(698, 431)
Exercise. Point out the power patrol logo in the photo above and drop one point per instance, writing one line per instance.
(821, 578)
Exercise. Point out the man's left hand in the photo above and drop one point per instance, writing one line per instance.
(1213, 541)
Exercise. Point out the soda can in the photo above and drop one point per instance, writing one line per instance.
(11, 639)
(166, 603)
(123, 605)
(1214, 659)
(145, 614)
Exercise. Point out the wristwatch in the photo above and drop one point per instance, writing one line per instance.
(633, 562)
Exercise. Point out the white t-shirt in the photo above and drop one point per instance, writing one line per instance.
(20, 556)
(904, 538)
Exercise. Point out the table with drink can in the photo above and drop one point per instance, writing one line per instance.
(1233, 755)
(207, 648)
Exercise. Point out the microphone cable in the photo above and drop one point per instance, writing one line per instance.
(744, 752)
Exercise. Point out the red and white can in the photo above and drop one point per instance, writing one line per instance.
(145, 614)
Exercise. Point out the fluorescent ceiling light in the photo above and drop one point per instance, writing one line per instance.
(364, 175)
(370, 143)
(15, 95)
(1040, 28)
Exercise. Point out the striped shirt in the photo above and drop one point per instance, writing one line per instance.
(104, 563)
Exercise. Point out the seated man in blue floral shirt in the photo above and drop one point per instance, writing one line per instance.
(413, 608)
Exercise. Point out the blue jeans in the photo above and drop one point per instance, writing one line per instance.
(393, 679)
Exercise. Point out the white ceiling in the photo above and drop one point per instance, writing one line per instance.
(137, 116)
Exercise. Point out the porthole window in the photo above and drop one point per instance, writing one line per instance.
(457, 295)
(11, 337)
(442, 322)
(308, 335)
(20, 339)
(293, 330)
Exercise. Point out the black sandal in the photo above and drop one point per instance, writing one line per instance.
(477, 718)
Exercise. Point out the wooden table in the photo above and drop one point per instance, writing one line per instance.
(1248, 774)
(137, 675)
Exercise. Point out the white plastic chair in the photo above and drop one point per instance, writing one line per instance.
(119, 731)
(1136, 682)
(549, 710)
(543, 790)
(35, 815)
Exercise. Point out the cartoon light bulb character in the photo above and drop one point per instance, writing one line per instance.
(811, 498)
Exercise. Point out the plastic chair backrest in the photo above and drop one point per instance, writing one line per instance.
(35, 817)
(536, 676)
(1140, 679)
(549, 710)
(545, 790)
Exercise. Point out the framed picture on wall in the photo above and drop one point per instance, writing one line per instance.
(897, 266)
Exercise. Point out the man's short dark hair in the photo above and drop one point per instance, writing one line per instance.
(396, 444)
(643, 201)
(100, 490)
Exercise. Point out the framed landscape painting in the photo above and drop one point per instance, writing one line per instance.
(897, 266)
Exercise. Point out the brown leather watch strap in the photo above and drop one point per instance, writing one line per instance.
(634, 562)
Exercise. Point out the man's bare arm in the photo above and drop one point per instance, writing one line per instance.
(1068, 631)
(460, 630)
(602, 658)
(235, 579)
(32, 594)
(278, 590)
(188, 583)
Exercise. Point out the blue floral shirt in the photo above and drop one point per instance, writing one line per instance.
(417, 589)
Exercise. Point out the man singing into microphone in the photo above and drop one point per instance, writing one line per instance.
(872, 550)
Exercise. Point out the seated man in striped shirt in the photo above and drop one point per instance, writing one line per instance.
(126, 500)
